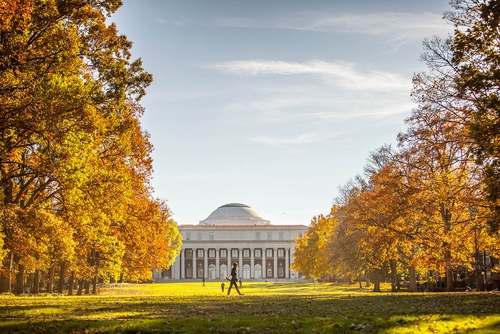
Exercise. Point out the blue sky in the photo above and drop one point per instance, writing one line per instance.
(274, 104)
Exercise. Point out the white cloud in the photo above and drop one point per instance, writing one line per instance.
(306, 138)
(394, 25)
(337, 73)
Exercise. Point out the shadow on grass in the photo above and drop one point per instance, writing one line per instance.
(286, 313)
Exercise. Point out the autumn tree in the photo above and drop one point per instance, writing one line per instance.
(154, 245)
(72, 152)
(343, 251)
(476, 57)
(310, 256)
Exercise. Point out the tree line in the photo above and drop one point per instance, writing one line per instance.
(76, 201)
(432, 203)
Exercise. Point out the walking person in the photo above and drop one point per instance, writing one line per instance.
(234, 279)
(222, 285)
(203, 281)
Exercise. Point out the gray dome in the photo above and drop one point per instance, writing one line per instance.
(234, 214)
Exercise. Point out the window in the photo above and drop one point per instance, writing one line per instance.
(200, 271)
(246, 253)
(269, 236)
(234, 252)
(281, 252)
(200, 236)
(223, 253)
(188, 235)
(269, 252)
(257, 253)
(199, 253)
(281, 236)
(281, 270)
(258, 270)
(211, 271)
(189, 253)
(211, 253)
(257, 235)
(246, 271)
(223, 270)
(211, 236)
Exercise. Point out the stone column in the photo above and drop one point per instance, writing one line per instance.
(287, 263)
(275, 269)
(264, 264)
(240, 263)
(193, 264)
(252, 269)
(183, 271)
(205, 263)
(217, 264)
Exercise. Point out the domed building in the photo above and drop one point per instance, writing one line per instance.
(235, 233)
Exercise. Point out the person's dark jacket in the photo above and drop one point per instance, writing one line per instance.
(234, 274)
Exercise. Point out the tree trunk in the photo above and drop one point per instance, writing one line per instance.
(60, 288)
(96, 274)
(368, 283)
(449, 273)
(121, 278)
(4, 284)
(376, 286)
(413, 279)
(50, 283)
(87, 287)
(80, 288)
(20, 280)
(6, 279)
(393, 276)
(71, 282)
(36, 282)
(94, 286)
(446, 217)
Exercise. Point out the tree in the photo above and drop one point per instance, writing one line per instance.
(476, 57)
(310, 256)
(73, 156)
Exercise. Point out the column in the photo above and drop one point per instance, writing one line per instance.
(252, 269)
(229, 264)
(217, 264)
(264, 264)
(177, 265)
(205, 263)
(193, 264)
(183, 271)
(275, 271)
(287, 263)
(240, 263)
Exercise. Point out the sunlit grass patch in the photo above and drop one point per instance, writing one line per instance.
(265, 308)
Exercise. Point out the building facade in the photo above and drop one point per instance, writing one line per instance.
(235, 233)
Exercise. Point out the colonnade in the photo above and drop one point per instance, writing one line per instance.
(207, 262)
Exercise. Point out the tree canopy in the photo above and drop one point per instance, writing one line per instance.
(75, 163)
(432, 204)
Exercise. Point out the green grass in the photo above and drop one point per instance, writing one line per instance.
(265, 308)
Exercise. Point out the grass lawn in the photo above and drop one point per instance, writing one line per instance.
(265, 308)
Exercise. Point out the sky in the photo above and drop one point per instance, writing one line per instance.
(271, 103)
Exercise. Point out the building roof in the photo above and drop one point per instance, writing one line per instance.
(234, 214)
(252, 227)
